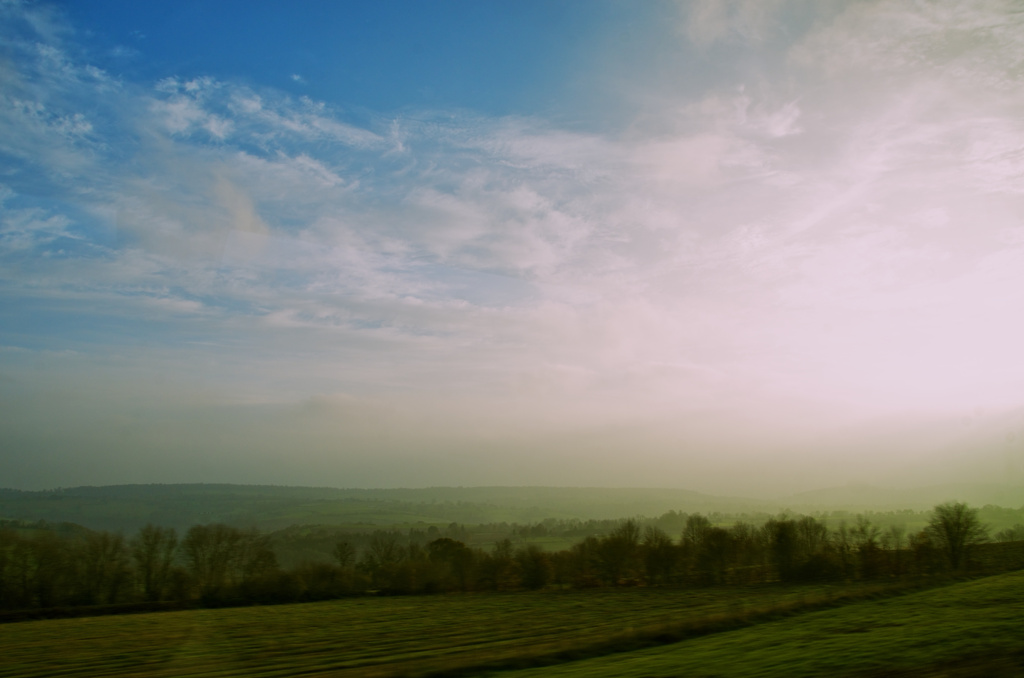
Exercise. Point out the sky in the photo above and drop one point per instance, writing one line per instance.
(728, 245)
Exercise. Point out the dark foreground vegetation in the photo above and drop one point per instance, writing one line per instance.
(68, 570)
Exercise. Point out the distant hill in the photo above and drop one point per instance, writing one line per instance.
(128, 507)
(869, 497)
(271, 507)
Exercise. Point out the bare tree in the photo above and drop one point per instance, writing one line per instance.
(344, 554)
(892, 540)
(153, 549)
(866, 537)
(955, 529)
(534, 565)
(211, 552)
(697, 527)
(659, 555)
(1015, 533)
(384, 549)
(618, 551)
(382, 558)
(102, 562)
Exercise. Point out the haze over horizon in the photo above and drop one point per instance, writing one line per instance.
(730, 246)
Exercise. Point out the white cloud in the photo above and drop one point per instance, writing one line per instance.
(27, 230)
(973, 41)
(711, 21)
(839, 237)
(180, 114)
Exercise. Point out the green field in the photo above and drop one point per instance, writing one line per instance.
(768, 630)
(969, 629)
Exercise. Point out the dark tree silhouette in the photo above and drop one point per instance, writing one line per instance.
(453, 559)
(618, 551)
(382, 559)
(344, 554)
(211, 552)
(697, 527)
(955, 529)
(866, 539)
(153, 550)
(103, 570)
(659, 555)
(534, 566)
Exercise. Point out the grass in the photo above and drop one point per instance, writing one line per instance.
(558, 631)
(972, 628)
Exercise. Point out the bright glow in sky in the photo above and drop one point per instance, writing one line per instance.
(440, 243)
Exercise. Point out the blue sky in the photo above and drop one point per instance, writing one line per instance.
(371, 58)
(717, 245)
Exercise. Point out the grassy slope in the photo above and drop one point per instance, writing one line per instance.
(969, 629)
(372, 636)
(471, 634)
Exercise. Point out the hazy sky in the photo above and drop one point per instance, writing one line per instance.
(454, 242)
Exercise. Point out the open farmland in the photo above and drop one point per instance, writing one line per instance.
(475, 634)
(968, 629)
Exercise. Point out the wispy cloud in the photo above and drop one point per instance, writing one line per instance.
(838, 229)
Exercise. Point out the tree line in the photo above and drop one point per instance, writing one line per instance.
(218, 564)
